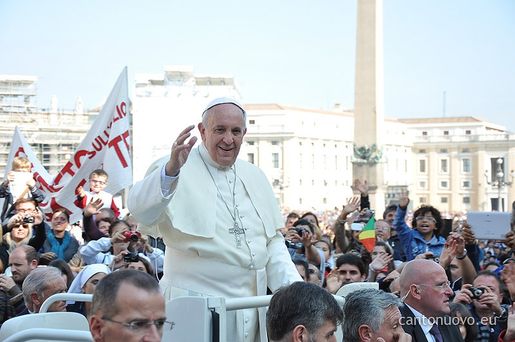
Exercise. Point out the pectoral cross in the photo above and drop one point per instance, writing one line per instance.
(237, 232)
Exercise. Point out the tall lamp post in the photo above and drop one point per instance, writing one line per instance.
(499, 182)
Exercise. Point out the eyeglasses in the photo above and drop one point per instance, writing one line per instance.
(425, 218)
(442, 286)
(140, 325)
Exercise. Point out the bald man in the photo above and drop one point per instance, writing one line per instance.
(426, 290)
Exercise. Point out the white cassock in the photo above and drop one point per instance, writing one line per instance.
(206, 254)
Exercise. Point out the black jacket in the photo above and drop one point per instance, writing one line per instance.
(450, 333)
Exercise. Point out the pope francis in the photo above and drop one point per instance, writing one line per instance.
(218, 217)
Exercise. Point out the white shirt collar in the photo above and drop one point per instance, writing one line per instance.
(423, 321)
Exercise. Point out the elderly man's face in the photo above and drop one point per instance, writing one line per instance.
(133, 305)
(391, 328)
(434, 293)
(223, 133)
(53, 287)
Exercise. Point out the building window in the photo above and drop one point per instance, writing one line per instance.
(422, 165)
(444, 184)
(468, 132)
(275, 160)
(443, 200)
(422, 200)
(422, 184)
(465, 162)
(422, 151)
(275, 142)
(443, 150)
(445, 132)
(444, 165)
(250, 158)
(465, 184)
(466, 200)
(424, 133)
(250, 142)
(252, 122)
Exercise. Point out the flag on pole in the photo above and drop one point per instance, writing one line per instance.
(368, 235)
(106, 146)
(21, 148)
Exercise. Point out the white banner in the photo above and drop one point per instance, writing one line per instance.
(107, 146)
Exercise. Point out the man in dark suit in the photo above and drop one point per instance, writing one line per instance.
(426, 290)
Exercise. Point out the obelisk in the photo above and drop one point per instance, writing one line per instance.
(369, 100)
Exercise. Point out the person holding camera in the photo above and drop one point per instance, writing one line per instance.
(26, 226)
(25, 214)
(122, 241)
(484, 298)
(300, 240)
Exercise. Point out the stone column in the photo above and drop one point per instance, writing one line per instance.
(369, 98)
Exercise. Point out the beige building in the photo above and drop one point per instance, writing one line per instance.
(307, 154)
(451, 163)
(456, 163)
(53, 133)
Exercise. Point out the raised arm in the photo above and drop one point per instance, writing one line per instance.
(149, 197)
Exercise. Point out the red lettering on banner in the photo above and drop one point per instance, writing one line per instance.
(115, 143)
(121, 111)
(76, 157)
(20, 152)
(67, 169)
(81, 184)
(44, 185)
(100, 143)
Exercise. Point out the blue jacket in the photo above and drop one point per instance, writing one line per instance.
(412, 241)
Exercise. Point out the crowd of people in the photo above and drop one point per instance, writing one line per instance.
(44, 254)
(432, 276)
(217, 224)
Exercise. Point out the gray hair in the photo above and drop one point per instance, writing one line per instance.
(365, 306)
(37, 282)
(210, 110)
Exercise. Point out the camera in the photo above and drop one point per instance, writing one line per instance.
(477, 292)
(300, 230)
(131, 236)
(131, 257)
(296, 245)
(28, 219)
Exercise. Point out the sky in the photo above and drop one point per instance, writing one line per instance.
(292, 52)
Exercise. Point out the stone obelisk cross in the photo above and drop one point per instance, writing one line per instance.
(369, 100)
